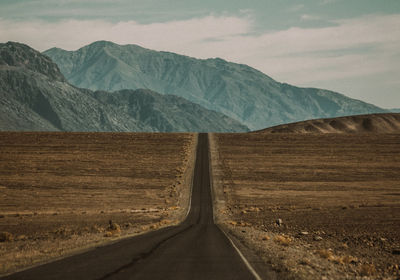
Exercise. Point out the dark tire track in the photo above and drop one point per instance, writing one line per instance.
(195, 249)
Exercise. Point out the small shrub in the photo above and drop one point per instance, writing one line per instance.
(165, 222)
(347, 259)
(114, 228)
(265, 237)
(283, 240)
(144, 228)
(108, 234)
(21, 237)
(367, 269)
(127, 225)
(326, 254)
(6, 237)
(63, 231)
(153, 227)
(233, 223)
(97, 229)
(305, 262)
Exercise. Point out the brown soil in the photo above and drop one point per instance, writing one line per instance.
(316, 206)
(372, 123)
(58, 191)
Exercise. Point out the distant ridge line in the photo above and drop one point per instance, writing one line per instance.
(367, 123)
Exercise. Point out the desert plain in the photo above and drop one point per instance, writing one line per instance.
(313, 206)
(63, 193)
(309, 206)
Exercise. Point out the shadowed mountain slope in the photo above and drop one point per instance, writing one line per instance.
(373, 123)
(34, 95)
(167, 113)
(236, 90)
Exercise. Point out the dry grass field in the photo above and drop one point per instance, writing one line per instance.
(59, 191)
(316, 206)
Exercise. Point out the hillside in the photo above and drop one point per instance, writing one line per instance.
(34, 95)
(236, 90)
(167, 113)
(373, 123)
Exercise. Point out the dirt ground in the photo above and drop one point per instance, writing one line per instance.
(59, 191)
(313, 206)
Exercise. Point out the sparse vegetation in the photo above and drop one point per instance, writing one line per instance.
(329, 255)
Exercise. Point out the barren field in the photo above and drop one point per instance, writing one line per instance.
(65, 192)
(314, 206)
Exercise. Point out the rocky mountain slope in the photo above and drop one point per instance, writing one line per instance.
(34, 95)
(373, 123)
(236, 90)
(167, 113)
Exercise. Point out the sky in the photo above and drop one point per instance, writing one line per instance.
(348, 46)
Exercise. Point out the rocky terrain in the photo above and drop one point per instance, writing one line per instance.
(312, 206)
(35, 96)
(238, 91)
(61, 193)
(372, 123)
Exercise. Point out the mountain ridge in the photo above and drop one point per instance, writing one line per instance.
(236, 90)
(36, 96)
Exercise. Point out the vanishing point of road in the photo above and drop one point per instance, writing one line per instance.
(195, 249)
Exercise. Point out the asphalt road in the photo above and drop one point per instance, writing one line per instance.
(195, 249)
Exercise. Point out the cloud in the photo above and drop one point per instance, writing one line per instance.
(307, 17)
(351, 48)
(326, 2)
(296, 8)
(72, 34)
(357, 48)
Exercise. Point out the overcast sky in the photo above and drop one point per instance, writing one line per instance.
(349, 46)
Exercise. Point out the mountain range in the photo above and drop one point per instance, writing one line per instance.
(236, 90)
(34, 95)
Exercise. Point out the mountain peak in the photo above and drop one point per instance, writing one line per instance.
(108, 44)
(101, 44)
(20, 55)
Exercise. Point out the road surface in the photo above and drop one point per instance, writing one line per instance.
(195, 249)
